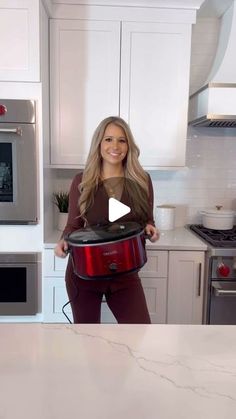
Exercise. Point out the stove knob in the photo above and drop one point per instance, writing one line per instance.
(223, 270)
(3, 109)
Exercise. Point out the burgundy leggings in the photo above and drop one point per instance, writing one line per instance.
(124, 296)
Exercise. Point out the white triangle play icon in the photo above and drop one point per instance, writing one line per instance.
(116, 209)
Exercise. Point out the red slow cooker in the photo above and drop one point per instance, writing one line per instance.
(102, 252)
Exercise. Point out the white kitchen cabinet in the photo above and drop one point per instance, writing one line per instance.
(138, 70)
(84, 84)
(185, 287)
(154, 281)
(19, 40)
(54, 290)
(154, 89)
(153, 276)
(55, 296)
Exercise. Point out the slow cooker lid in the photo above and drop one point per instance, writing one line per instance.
(101, 234)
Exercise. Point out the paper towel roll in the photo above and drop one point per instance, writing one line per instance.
(165, 217)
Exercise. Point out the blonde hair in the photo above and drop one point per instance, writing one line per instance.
(132, 170)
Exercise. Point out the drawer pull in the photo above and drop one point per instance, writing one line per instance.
(199, 279)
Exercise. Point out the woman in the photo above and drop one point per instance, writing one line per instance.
(112, 160)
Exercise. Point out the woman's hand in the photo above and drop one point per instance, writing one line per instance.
(152, 232)
(61, 249)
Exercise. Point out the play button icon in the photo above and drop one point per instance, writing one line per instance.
(116, 209)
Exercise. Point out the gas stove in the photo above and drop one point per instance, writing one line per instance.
(220, 242)
(220, 274)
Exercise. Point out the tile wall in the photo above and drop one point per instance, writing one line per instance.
(209, 178)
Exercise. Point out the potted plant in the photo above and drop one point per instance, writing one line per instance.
(61, 200)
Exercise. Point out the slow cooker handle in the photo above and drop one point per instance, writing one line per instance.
(147, 236)
(67, 251)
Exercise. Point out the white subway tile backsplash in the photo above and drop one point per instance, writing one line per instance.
(208, 180)
(230, 194)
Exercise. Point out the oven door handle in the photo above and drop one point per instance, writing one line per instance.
(17, 131)
(221, 291)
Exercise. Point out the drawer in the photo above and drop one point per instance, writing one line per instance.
(54, 266)
(157, 264)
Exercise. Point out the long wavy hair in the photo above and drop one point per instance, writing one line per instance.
(137, 190)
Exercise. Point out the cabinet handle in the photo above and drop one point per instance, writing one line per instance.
(199, 279)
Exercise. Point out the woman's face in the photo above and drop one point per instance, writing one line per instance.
(114, 145)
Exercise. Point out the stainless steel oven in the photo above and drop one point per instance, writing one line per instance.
(19, 283)
(18, 163)
(222, 291)
(220, 279)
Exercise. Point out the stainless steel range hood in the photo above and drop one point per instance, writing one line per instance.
(214, 105)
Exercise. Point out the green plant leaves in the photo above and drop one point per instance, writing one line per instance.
(61, 200)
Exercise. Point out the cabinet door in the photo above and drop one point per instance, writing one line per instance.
(19, 40)
(156, 266)
(155, 290)
(54, 266)
(154, 89)
(85, 57)
(54, 297)
(154, 281)
(185, 287)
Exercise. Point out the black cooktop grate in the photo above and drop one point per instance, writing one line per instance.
(217, 238)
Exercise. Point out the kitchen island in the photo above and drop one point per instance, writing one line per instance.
(117, 371)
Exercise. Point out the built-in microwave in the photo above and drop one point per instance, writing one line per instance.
(20, 285)
(18, 162)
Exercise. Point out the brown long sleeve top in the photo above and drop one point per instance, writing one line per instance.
(98, 212)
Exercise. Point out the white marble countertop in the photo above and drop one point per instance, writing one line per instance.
(117, 371)
(178, 239)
